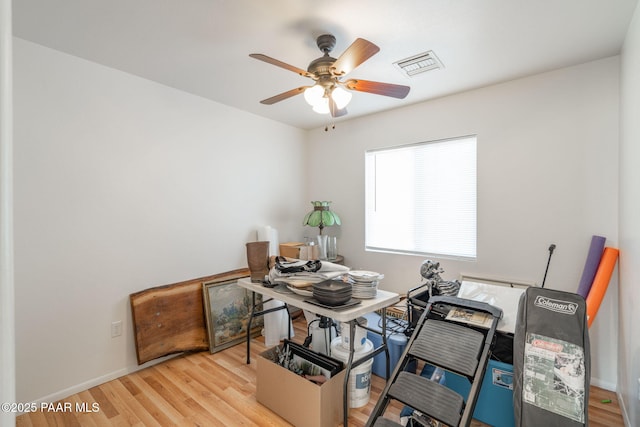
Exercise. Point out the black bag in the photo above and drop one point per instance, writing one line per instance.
(551, 360)
(290, 267)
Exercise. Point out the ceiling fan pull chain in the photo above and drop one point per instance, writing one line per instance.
(326, 127)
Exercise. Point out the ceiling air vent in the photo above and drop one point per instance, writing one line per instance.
(420, 63)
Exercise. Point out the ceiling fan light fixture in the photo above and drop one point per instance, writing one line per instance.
(314, 95)
(341, 97)
(322, 107)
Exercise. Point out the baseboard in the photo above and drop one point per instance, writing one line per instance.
(607, 385)
(623, 409)
(77, 388)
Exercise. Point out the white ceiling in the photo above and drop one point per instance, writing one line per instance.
(203, 46)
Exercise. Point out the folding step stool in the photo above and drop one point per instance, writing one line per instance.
(447, 344)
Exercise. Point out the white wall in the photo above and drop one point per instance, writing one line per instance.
(547, 173)
(7, 289)
(629, 360)
(123, 184)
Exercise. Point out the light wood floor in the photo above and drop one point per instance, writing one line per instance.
(203, 389)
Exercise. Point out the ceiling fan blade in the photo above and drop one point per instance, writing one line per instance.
(335, 111)
(284, 95)
(281, 64)
(386, 89)
(359, 51)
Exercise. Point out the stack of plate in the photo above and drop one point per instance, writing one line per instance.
(299, 286)
(332, 292)
(365, 283)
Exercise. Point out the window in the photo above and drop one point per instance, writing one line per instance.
(421, 198)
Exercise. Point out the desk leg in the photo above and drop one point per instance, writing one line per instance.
(290, 323)
(384, 342)
(253, 310)
(255, 313)
(347, 374)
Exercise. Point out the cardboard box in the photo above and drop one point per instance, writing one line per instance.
(299, 250)
(297, 399)
(291, 249)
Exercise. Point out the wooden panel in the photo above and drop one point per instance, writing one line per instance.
(170, 319)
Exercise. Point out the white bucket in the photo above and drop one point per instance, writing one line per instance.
(360, 377)
(360, 336)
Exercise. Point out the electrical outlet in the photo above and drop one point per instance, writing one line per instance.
(116, 329)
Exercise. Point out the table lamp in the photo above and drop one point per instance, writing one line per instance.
(321, 216)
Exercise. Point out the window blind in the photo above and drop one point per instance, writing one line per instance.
(421, 198)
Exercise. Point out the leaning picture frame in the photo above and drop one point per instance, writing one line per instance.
(227, 309)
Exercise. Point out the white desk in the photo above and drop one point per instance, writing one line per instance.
(382, 300)
(349, 315)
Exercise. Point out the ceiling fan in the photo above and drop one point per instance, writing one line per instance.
(328, 94)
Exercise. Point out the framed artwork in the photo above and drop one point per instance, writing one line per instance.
(464, 277)
(227, 309)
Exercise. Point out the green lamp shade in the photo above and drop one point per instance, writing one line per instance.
(321, 216)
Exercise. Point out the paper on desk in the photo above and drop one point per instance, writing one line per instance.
(503, 297)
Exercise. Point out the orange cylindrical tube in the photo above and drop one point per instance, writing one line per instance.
(601, 282)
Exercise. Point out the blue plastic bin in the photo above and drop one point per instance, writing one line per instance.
(495, 402)
(396, 340)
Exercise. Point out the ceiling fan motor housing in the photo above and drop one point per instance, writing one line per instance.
(326, 42)
(321, 67)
